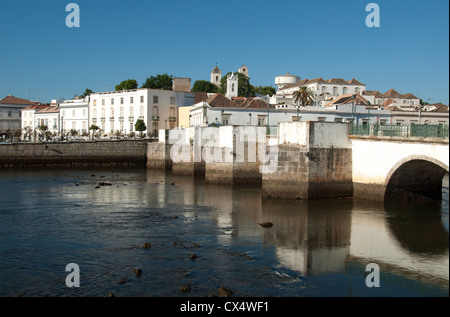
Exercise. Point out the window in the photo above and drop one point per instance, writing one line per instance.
(357, 90)
(365, 121)
(335, 91)
(262, 121)
(112, 101)
(131, 126)
(103, 112)
(103, 102)
(9, 113)
(131, 99)
(73, 113)
(232, 87)
(142, 99)
(324, 89)
(226, 119)
(94, 113)
(344, 90)
(337, 119)
(155, 111)
(121, 112)
(95, 103)
(383, 122)
(172, 100)
(112, 112)
(155, 99)
(131, 112)
(141, 111)
(121, 100)
(172, 112)
(321, 119)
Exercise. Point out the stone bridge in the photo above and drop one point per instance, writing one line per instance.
(393, 169)
(311, 160)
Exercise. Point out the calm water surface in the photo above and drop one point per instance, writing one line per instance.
(49, 218)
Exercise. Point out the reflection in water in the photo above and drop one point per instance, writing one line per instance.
(315, 248)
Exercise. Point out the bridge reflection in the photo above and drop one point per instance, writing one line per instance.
(323, 237)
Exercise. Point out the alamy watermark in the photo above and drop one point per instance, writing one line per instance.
(373, 278)
(210, 145)
(73, 18)
(373, 19)
(73, 278)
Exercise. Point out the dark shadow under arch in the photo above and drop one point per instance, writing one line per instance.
(415, 179)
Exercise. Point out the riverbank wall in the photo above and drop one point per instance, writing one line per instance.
(74, 154)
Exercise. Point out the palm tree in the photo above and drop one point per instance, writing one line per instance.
(303, 97)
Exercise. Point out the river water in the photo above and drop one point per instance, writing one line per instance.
(50, 218)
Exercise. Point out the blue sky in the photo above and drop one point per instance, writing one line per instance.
(42, 59)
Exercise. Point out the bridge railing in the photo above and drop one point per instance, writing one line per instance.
(406, 131)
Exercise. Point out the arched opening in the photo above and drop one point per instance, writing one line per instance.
(415, 180)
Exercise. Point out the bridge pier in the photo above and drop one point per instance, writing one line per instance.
(236, 158)
(158, 153)
(314, 162)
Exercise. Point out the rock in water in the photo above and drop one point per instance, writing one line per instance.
(185, 288)
(266, 224)
(147, 245)
(193, 256)
(138, 272)
(224, 292)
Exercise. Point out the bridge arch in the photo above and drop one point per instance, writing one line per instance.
(415, 178)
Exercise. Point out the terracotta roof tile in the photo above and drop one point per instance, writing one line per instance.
(11, 100)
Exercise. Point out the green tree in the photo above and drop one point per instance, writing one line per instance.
(245, 89)
(204, 86)
(127, 85)
(266, 90)
(86, 93)
(94, 129)
(160, 81)
(303, 96)
(140, 126)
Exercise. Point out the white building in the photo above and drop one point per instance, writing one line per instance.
(324, 90)
(29, 116)
(219, 110)
(11, 113)
(118, 111)
(392, 98)
(75, 115)
(48, 117)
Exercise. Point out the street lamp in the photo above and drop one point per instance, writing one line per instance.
(250, 115)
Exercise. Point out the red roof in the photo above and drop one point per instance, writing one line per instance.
(11, 100)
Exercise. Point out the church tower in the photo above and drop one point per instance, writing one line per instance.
(216, 76)
(232, 85)
(243, 70)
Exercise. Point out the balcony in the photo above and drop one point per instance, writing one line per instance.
(172, 119)
(111, 119)
(131, 119)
